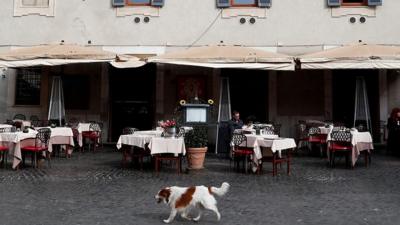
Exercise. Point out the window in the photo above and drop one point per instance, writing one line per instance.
(76, 91)
(34, 7)
(354, 2)
(35, 3)
(27, 90)
(337, 3)
(138, 2)
(244, 2)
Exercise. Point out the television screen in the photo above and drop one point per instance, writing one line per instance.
(196, 115)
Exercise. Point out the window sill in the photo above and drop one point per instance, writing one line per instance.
(353, 10)
(138, 10)
(20, 10)
(244, 11)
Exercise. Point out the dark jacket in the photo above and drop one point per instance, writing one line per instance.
(393, 142)
(233, 125)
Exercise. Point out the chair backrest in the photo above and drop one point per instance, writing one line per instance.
(362, 128)
(34, 118)
(277, 128)
(269, 130)
(238, 139)
(338, 128)
(129, 130)
(73, 122)
(94, 127)
(43, 136)
(181, 132)
(75, 132)
(302, 131)
(341, 136)
(36, 123)
(5, 129)
(314, 131)
(19, 117)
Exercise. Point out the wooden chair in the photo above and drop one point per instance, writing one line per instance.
(169, 157)
(4, 149)
(315, 137)
(340, 143)
(75, 136)
(159, 158)
(131, 151)
(41, 145)
(276, 159)
(94, 134)
(240, 151)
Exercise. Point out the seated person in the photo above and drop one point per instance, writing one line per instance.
(235, 122)
(249, 123)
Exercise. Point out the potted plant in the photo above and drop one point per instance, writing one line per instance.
(196, 146)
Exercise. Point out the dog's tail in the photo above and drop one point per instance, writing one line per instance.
(220, 191)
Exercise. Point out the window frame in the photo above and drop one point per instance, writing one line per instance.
(129, 3)
(20, 72)
(233, 4)
(35, 6)
(351, 4)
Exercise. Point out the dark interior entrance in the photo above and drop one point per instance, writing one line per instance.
(249, 93)
(344, 88)
(132, 94)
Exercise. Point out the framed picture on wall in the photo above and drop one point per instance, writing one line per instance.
(190, 87)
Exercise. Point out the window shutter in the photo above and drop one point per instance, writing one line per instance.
(374, 2)
(116, 3)
(264, 3)
(158, 3)
(223, 3)
(333, 2)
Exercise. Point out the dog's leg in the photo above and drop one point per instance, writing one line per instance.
(214, 209)
(197, 218)
(171, 216)
(185, 213)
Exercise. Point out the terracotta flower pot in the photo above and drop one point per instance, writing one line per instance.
(196, 157)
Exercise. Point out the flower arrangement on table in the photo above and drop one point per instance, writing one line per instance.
(167, 124)
(169, 127)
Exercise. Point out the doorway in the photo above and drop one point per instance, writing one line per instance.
(132, 98)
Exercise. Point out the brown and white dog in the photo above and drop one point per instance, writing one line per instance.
(183, 199)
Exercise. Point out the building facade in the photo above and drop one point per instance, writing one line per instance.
(144, 95)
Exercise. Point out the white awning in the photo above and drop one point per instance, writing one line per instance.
(54, 54)
(227, 57)
(359, 56)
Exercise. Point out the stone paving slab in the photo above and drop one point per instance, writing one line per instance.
(93, 189)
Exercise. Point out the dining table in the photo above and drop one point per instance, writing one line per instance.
(263, 144)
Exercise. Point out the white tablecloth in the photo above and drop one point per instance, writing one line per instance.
(60, 136)
(134, 140)
(15, 141)
(360, 141)
(5, 126)
(272, 142)
(159, 145)
(275, 143)
(154, 133)
(139, 138)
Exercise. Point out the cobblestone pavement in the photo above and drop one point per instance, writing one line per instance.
(92, 189)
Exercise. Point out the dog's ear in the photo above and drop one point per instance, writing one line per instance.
(165, 193)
